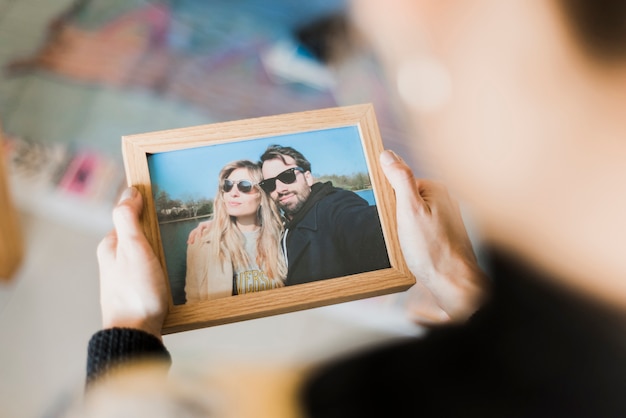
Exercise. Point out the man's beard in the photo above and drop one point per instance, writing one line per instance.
(290, 210)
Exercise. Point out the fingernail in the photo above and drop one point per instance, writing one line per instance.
(388, 157)
(128, 193)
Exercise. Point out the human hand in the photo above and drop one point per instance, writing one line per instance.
(450, 285)
(198, 231)
(133, 291)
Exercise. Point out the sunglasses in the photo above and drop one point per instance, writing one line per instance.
(287, 177)
(244, 186)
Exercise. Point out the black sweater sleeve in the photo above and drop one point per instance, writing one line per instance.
(114, 347)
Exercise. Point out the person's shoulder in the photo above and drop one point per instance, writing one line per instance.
(338, 194)
(344, 201)
(448, 355)
(208, 224)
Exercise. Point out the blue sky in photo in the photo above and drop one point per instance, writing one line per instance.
(192, 173)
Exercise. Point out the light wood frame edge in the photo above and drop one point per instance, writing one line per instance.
(288, 299)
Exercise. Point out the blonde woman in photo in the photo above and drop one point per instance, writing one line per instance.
(238, 251)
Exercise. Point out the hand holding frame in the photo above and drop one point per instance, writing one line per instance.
(450, 285)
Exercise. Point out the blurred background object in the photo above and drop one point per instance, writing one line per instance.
(74, 83)
(11, 241)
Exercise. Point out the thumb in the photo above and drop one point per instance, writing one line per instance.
(401, 177)
(127, 213)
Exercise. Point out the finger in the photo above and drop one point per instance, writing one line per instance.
(401, 178)
(192, 237)
(395, 169)
(127, 213)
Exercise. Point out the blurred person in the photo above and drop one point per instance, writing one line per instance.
(238, 251)
(518, 108)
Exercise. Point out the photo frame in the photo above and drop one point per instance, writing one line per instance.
(174, 167)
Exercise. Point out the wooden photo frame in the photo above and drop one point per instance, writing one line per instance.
(176, 171)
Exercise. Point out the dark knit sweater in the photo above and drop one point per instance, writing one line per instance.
(534, 350)
(115, 347)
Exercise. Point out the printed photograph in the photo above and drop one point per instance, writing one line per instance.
(252, 216)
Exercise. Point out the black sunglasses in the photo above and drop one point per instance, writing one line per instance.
(288, 176)
(244, 186)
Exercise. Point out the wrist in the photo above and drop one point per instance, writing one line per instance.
(149, 326)
(462, 288)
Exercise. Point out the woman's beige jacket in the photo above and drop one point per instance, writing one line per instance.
(206, 279)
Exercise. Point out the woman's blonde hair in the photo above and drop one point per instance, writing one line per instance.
(269, 256)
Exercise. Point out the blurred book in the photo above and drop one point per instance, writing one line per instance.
(52, 180)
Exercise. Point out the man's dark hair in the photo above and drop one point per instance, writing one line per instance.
(279, 152)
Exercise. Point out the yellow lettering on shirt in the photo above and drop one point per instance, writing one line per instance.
(249, 281)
